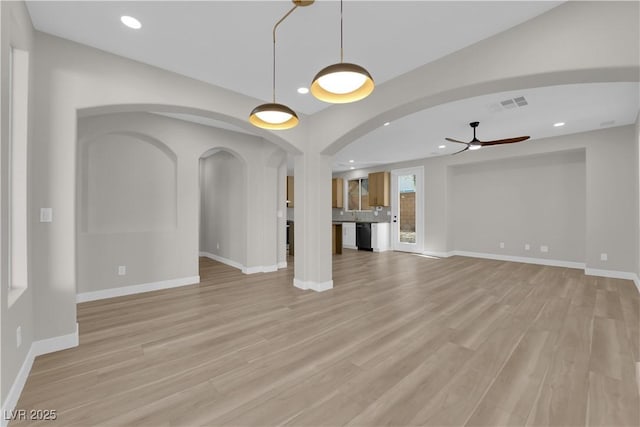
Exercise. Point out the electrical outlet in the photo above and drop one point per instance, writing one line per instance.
(122, 270)
(341, 212)
(604, 257)
(502, 245)
(544, 248)
(46, 214)
(18, 336)
(217, 245)
(527, 246)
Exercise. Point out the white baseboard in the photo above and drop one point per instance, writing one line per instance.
(526, 260)
(381, 249)
(260, 269)
(136, 289)
(614, 275)
(282, 265)
(556, 263)
(437, 254)
(245, 270)
(223, 260)
(349, 247)
(37, 348)
(313, 286)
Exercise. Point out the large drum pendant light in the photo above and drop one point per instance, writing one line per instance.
(274, 116)
(342, 83)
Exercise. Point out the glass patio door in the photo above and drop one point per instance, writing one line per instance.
(407, 205)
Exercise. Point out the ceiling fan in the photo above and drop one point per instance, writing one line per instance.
(476, 144)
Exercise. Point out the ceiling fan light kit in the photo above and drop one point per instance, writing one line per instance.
(476, 144)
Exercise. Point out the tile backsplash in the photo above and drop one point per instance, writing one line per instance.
(365, 216)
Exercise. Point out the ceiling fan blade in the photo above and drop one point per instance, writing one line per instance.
(463, 150)
(504, 141)
(455, 140)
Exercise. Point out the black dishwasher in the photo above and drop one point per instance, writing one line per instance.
(363, 236)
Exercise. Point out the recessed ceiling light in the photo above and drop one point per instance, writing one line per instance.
(559, 124)
(303, 90)
(131, 22)
(387, 123)
(442, 146)
(352, 168)
(352, 161)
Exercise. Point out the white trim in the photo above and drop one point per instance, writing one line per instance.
(614, 275)
(38, 348)
(313, 286)
(526, 260)
(437, 254)
(223, 260)
(137, 289)
(282, 264)
(51, 345)
(552, 262)
(245, 270)
(349, 247)
(260, 269)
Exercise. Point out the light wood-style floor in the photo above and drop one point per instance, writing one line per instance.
(400, 340)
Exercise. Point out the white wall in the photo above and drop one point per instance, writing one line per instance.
(15, 30)
(223, 207)
(637, 212)
(139, 198)
(536, 200)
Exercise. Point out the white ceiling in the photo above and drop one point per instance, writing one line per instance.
(582, 107)
(228, 43)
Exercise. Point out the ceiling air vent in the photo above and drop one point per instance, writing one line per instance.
(508, 104)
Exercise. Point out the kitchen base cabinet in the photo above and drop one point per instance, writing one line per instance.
(349, 235)
(380, 236)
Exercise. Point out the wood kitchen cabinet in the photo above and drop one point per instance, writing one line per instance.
(289, 191)
(379, 183)
(337, 198)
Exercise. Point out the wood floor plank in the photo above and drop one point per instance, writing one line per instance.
(400, 340)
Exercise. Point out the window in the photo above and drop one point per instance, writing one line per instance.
(17, 156)
(358, 195)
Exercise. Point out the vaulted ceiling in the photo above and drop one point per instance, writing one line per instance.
(228, 44)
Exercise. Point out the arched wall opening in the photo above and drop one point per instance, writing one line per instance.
(174, 190)
(223, 207)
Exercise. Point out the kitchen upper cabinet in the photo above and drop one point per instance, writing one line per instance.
(337, 188)
(379, 183)
(289, 191)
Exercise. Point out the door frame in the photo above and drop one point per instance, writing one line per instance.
(396, 245)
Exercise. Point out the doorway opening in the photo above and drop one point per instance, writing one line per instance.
(407, 209)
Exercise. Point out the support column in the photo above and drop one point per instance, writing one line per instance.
(312, 219)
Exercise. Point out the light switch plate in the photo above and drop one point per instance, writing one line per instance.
(46, 214)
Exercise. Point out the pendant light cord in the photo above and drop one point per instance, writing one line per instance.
(275, 27)
(341, 37)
